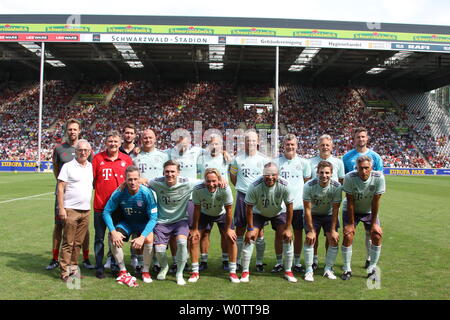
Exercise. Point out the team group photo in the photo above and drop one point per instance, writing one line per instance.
(197, 158)
(170, 199)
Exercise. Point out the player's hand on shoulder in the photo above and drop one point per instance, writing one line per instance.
(227, 157)
(223, 184)
(122, 186)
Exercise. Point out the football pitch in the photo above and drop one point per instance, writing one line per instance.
(414, 263)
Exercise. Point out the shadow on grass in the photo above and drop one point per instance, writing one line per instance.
(35, 264)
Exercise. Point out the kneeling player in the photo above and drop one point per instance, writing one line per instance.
(264, 197)
(321, 199)
(363, 188)
(213, 204)
(139, 216)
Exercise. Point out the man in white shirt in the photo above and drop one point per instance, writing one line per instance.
(74, 202)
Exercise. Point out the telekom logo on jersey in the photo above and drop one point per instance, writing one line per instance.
(107, 173)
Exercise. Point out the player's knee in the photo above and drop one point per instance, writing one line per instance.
(160, 248)
(149, 239)
(376, 236)
(348, 237)
(240, 231)
(194, 241)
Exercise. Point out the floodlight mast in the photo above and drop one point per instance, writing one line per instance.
(41, 97)
(275, 135)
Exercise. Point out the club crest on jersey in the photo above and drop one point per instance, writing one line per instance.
(298, 167)
(278, 195)
(139, 203)
(123, 164)
(372, 188)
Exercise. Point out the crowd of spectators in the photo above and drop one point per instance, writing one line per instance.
(305, 111)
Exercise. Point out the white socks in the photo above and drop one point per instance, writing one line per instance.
(288, 255)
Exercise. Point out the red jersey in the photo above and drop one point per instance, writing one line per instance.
(108, 175)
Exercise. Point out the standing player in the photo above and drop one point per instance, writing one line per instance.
(62, 154)
(322, 197)
(129, 135)
(187, 156)
(74, 203)
(244, 170)
(173, 193)
(296, 171)
(360, 141)
(325, 146)
(263, 203)
(213, 157)
(363, 189)
(139, 215)
(129, 148)
(213, 204)
(150, 162)
(109, 172)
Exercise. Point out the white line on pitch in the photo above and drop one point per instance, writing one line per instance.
(23, 198)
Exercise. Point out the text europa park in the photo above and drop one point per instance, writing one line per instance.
(18, 164)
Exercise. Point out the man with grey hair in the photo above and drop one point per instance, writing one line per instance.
(62, 154)
(360, 141)
(363, 189)
(297, 172)
(74, 203)
(263, 204)
(325, 146)
(109, 172)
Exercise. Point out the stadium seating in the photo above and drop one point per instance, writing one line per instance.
(307, 112)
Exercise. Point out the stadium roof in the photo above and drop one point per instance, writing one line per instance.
(418, 69)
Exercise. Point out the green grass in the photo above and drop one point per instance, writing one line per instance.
(414, 261)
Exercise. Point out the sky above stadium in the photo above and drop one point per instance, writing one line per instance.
(434, 12)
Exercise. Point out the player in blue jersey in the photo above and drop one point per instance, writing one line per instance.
(363, 189)
(322, 197)
(244, 170)
(296, 171)
(140, 212)
(213, 205)
(360, 141)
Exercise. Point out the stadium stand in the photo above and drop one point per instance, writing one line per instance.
(307, 112)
